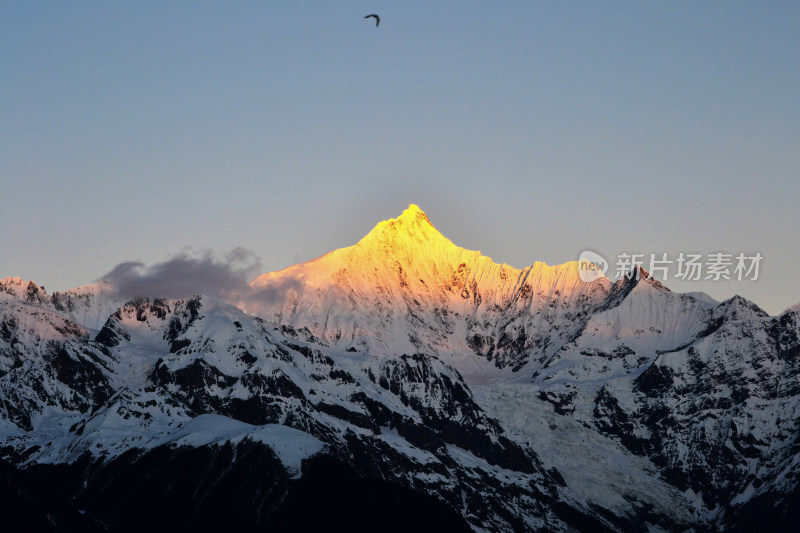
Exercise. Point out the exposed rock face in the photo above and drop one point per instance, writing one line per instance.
(710, 397)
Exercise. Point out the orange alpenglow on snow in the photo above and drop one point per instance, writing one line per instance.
(408, 254)
(407, 270)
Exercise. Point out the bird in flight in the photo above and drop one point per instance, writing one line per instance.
(377, 19)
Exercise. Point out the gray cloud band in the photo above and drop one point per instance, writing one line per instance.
(225, 277)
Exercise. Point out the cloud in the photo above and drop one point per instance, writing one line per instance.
(276, 292)
(225, 277)
(188, 273)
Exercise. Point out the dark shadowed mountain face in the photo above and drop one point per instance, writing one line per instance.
(241, 487)
(400, 383)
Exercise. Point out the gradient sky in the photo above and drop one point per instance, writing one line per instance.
(527, 130)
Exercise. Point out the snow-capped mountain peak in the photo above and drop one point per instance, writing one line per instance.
(412, 226)
(393, 355)
(17, 288)
(405, 287)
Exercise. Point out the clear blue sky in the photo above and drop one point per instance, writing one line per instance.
(527, 130)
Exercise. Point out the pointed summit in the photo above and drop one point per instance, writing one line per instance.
(413, 212)
(412, 217)
(410, 231)
(22, 290)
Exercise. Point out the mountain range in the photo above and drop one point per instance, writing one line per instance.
(400, 382)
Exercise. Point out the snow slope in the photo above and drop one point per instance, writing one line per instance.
(404, 287)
